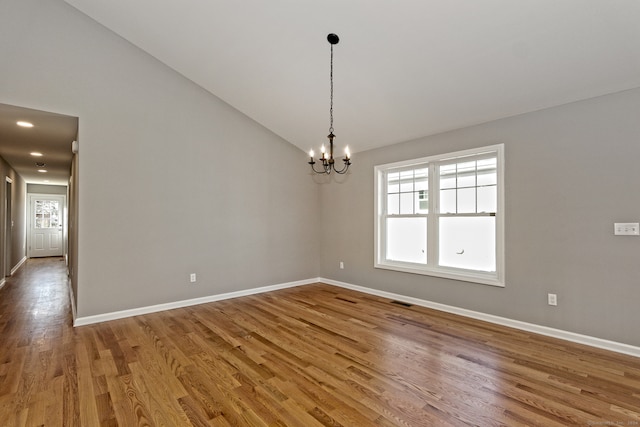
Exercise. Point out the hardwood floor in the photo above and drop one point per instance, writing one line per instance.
(309, 356)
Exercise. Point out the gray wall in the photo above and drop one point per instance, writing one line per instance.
(172, 180)
(46, 189)
(19, 216)
(18, 243)
(72, 229)
(571, 172)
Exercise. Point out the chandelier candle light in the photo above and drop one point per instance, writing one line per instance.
(328, 163)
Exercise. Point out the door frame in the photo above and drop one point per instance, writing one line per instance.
(30, 216)
(7, 229)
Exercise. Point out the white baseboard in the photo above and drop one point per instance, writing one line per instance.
(87, 320)
(18, 265)
(517, 324)
(2, 282)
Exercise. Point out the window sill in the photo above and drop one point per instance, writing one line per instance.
(491, 279)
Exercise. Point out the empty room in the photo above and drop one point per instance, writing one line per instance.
(320, 213)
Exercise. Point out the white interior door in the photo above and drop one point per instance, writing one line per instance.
(46, 214)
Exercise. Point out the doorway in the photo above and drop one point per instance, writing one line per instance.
(8, 230)
(46, 225)
(38, 149)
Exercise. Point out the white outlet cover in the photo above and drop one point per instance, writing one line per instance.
(626, 229)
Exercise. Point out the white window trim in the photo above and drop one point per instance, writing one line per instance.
(493, 279)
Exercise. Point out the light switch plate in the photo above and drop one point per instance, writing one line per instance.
(626, 229)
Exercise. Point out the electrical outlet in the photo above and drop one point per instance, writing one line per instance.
(552, 299)
(626, 229)
(341, 265)
(192, 277)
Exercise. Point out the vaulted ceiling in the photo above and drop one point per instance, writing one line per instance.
(403, 69)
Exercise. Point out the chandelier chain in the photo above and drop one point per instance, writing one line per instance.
(331, 95)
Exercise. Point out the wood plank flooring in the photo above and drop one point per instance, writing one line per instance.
(315, 355)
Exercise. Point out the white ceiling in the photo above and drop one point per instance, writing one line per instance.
(51, 135)
(402, 70)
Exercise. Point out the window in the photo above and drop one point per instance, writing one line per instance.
(443, 216)
(47, 214)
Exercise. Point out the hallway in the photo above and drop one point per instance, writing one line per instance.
(37, 365)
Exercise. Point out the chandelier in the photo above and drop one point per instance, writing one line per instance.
(327, 161)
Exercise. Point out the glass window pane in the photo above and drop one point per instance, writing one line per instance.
(489, 163)
(393, 204)
(467, 200)
(421, 184)
(406, 203)
(421, 179)
(407, 240)
(448, 176)
(466, 174)
(406, 181)
(393, 182)
(447, 201)
(487, 172)
(47, 214)
(487, 199)
(468, 243)
(421, 201)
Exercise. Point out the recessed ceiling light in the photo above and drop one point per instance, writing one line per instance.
(36, 154)
(25, 124)
(42, 170)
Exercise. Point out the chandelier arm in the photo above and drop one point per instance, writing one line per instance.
(313, 168)
(328, 167)
(345, 168)
(324, 170)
